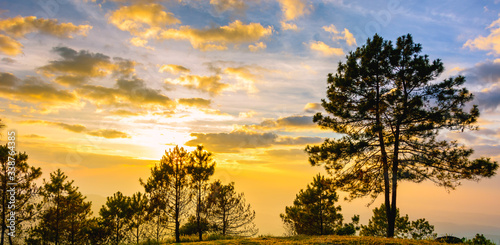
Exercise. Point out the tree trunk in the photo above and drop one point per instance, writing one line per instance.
(198, 212)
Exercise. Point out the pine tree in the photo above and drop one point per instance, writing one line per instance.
(387, 108)
(116, 213)
(200, 169)
(228, 211)
(314, 211)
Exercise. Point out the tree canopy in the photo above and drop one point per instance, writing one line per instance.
(389, 110)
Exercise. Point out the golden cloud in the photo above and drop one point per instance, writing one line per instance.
(132, 93)
(291, 123)
(78, 128)
(144, 20)
(325, 49)
(490, 42)
(20, 26)
(78, 64)
(75, 128)
(256, 47)
(195, 102)
(289, 26)
(331, 28)
(210, 84)
(245, 76)
(227, 5)
(293, 9)
(174, 69)
(34, 90)
(10, 46)
(237, 140)
(218, 38)
(312, 107)
(108, 133)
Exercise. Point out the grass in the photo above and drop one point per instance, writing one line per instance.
(315, 240)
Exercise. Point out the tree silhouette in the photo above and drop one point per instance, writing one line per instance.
(116, 213)
(228, 211)
(65, 214)
(377, 226)
(388, 109)
(137, 219)
(200, 169)
(314, 211)
(169, 181)
(25, 190)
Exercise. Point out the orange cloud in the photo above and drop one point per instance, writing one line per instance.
(143, 20)
(218, 38)
(490, 42)
(10, 46)
(195, 102)
(288, 26)
(325, 49)
(256, 47)
(20, 26)
(210, 84)
(34, 90)
(293, 9)
(78, 128)
(174, 69)
(227, 5)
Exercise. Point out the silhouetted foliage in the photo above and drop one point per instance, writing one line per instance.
(200, 169)
(314, 211)
(169, 182)
(98, 231)
(64, 217)
(479, 239)
(116, 214)
(377, 226)
(26, 191)
(137, 216)
(389, 110)
(193, 226)
(228, 211)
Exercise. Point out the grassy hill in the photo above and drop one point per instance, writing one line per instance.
(316, 240)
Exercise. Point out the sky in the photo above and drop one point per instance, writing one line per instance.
(100, 89)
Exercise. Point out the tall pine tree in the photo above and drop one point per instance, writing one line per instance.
(388, 108)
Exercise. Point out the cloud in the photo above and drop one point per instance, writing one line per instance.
(331, 28)
(488, 99)
(488, 43)
(8, 60)
(346, 34)
(247, 76)
(237, 140)
(292, 122)
(257, 46)
(78, 128)
(484, 73)
(76, 67)
(108, 133)
(142, 20)
(312, 107)
(288, 26)
(325, 49)
(348, 37)
(248, 114)
(124, 113)
(75, 128)
(195, 102)
(18, 27)
(293, 9)
(10, 46)
(34, 136)
(218, 38)
(209, 84)
(229, 5)
(128, 92)
(32, 89)
(174, 69)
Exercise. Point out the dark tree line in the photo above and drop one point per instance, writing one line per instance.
(178, 197)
